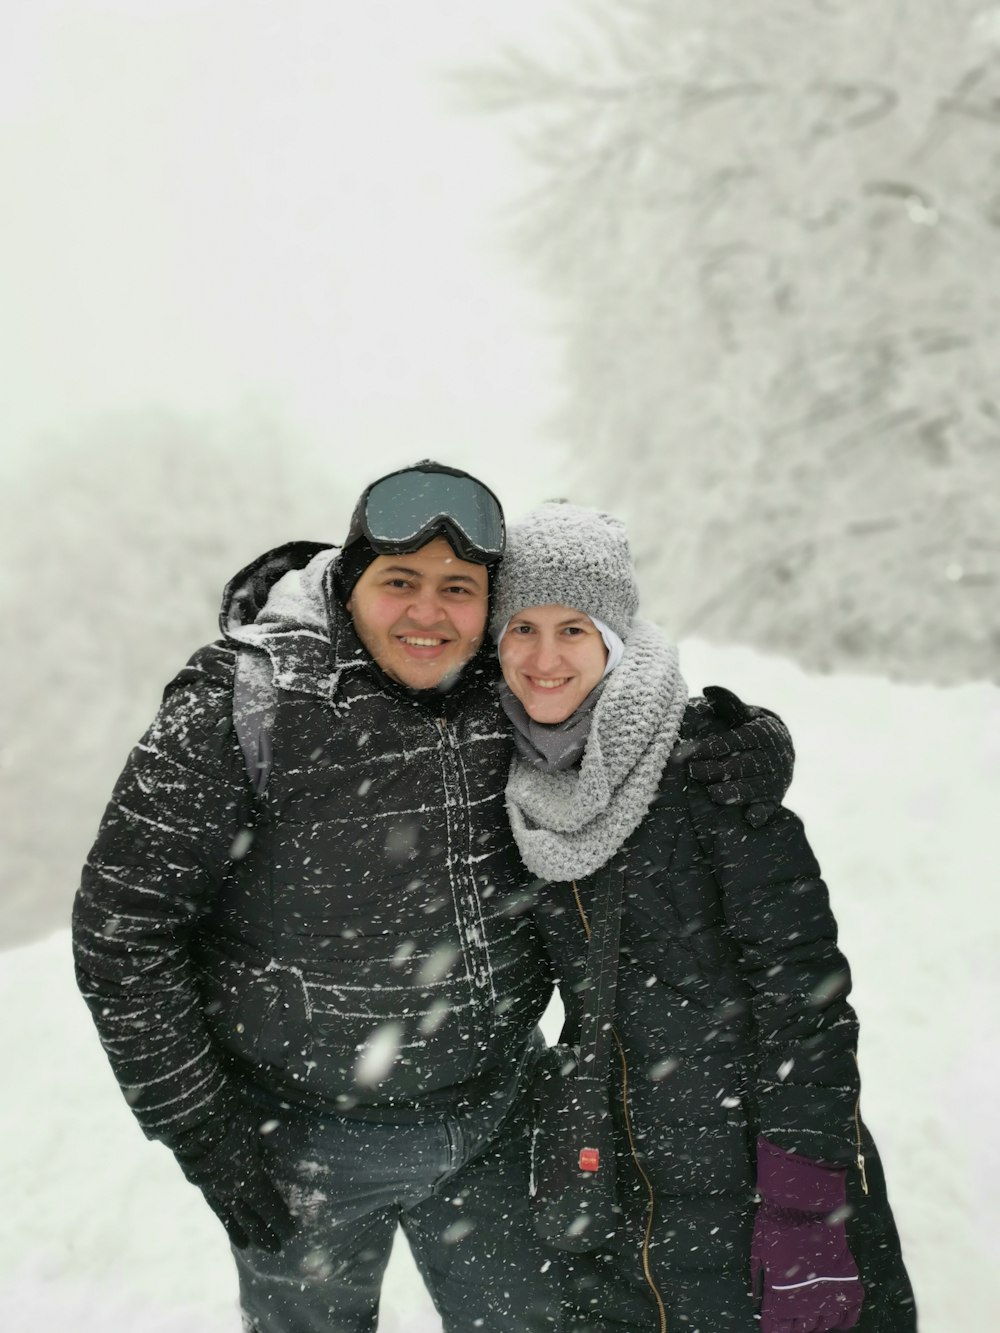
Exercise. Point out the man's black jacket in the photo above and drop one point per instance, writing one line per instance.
(359, 939)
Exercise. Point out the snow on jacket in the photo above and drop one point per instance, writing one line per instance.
(733, 1016)
(359, 938)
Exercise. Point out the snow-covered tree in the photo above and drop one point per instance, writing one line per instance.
(772, 234)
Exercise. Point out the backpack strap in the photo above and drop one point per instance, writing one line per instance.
(255, 703)
(600, 982)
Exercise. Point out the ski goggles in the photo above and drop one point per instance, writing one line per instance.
(403, 511)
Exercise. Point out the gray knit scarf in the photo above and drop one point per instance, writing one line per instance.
(549, 747)
(568, 824)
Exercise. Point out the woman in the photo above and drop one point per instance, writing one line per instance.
(735, 1076)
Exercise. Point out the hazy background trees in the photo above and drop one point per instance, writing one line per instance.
(771, 232)
(120, 538)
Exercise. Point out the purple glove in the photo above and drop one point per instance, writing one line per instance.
(799, 1259)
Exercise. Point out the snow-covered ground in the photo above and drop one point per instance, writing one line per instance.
(898, 786)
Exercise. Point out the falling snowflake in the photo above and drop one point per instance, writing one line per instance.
(377, 1054)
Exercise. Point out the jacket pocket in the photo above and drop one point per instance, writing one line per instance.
(688, 1156)
(244, 1006)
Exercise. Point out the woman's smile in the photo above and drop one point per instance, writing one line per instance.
(552, 657)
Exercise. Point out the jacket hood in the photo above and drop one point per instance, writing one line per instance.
(281, 588)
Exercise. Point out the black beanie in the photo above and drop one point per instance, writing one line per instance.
(352, 563)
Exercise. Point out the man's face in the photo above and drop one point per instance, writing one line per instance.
(421, 615)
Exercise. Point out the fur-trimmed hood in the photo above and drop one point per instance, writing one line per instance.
(289, 585)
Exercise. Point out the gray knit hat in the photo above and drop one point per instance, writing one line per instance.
(567, 556)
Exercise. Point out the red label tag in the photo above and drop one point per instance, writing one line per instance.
(590, 1159)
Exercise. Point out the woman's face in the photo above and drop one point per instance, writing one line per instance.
(552, 657)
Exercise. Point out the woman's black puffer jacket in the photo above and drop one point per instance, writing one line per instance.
(732, 1019)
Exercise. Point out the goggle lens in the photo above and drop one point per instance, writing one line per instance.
(401, 508)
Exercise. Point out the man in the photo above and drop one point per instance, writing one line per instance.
(321, 987)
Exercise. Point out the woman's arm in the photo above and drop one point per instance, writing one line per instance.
(778, 917)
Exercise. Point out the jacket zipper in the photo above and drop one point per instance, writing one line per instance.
(627, 1112)
(472, 929)
(860, 1159)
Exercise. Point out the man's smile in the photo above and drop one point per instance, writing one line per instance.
(424, 647)
(421, 615)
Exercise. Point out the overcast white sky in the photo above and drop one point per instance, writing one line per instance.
(215, 202)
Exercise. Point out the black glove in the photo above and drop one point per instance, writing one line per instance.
(749, 765)
(224, 1162)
